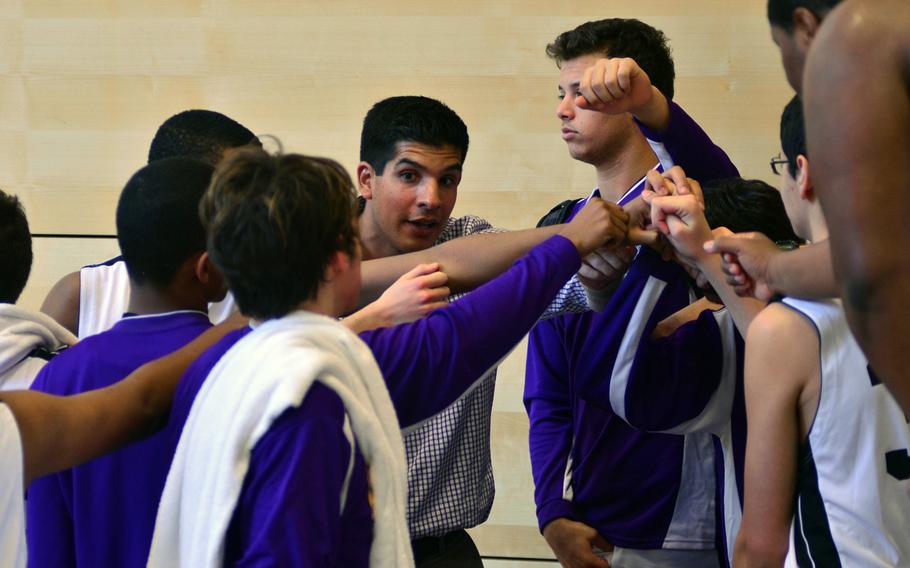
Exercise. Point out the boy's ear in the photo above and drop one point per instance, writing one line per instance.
(209, 276)
(338, 264)
(804, 179)
(366, 176)
(805, 26)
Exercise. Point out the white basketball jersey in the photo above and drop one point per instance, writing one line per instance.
(852, 506)
(104, 295)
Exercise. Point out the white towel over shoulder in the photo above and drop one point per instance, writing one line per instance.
(266, 372)
(21, 332)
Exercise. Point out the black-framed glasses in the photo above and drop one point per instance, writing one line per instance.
(777, 164)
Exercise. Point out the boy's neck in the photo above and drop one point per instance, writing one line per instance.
(147, 299)
(617, 174)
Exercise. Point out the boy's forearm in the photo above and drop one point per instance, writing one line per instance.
(804, 273)
(468, 261)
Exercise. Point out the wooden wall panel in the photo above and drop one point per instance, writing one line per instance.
(85, 85)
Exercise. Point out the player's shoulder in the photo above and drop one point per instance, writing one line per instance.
(782, 341)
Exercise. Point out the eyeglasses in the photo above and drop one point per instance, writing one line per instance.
(777, 163)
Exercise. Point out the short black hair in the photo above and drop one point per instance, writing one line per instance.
(744, 205)
(780, 12)
(409, 119)
(158, 225)
(619, 37)
(16, 250)
(274, 224)
(793, 133)
(200, 134)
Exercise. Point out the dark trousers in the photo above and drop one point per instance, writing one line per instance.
(455, 550)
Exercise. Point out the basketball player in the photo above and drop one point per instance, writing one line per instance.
(578, 510)
(92, 515)
(826, 457)
(426, 365)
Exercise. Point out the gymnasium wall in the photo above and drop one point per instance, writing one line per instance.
(85, 84)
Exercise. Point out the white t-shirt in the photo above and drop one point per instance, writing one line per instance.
(12, 493)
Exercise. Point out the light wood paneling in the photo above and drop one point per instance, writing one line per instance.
(55, 258)
(85, 85)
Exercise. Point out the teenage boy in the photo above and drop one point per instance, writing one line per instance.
(601, 101)
(293, 262)
(94, 515)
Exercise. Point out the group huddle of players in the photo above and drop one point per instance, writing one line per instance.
(290, 367)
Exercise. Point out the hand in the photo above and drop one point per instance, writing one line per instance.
(614, 86)
(746, 262)
(415, 294)
(574, 542)
(671, 182)
(681, 219)
(605, 266)
(599, 223)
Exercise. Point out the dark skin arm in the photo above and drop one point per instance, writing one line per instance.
(857, 101)
(62, 302)
(61, 432)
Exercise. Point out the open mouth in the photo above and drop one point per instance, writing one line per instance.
(423, 224)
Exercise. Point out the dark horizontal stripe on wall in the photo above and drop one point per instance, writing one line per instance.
(519, 559)
(69, 236)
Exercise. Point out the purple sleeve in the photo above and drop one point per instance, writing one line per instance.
(691, 147)
(288, 511)
(548, 401)
(428, 364)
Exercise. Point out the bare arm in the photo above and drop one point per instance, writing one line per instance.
(857, 97)
(781, 351)
(61, 432)
(755, 266)
(62, 302)
(681, 218)
(468, 261)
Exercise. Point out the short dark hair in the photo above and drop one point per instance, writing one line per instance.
(793, 133)
(744, 205)
(274, 223)
(158, 224)
(409, 119)
(200, 134)
(619, 37)
(780, 12)
(16, 251)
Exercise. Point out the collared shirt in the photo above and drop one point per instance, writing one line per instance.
(450, 470)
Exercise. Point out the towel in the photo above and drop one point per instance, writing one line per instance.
(21, 332)
(266, 372)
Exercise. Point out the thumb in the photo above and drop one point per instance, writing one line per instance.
(723, 244)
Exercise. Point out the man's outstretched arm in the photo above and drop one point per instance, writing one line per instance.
(857, 98)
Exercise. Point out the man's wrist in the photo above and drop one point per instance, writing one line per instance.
(655, 114)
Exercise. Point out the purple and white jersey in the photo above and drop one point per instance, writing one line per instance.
(426, 364)
(660, 490)
(690, 382)
(102, 513)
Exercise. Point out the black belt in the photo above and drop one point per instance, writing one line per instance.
(430, 546)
